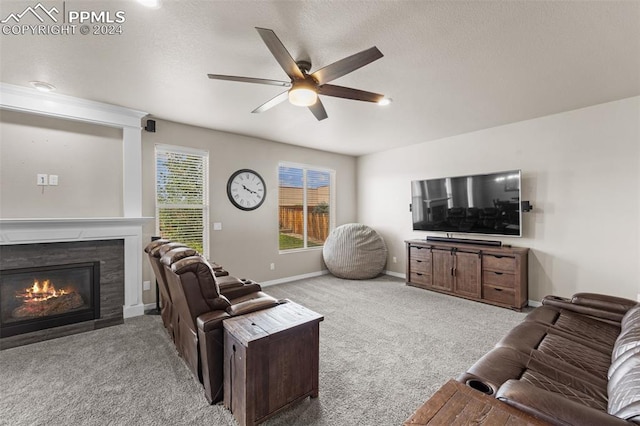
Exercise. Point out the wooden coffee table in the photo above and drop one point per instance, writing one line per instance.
(456, 403)
(271, 361)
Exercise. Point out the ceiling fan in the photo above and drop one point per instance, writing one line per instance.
(305, 87)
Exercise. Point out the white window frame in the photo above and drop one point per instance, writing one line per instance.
(332, 201)
(205, 206)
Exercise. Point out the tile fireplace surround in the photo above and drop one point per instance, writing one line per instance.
(127, 230)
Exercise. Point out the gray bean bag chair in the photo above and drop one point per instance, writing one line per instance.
(355, 251)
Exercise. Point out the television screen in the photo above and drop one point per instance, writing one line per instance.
(482, 204)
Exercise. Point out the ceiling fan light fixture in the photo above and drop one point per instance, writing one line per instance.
(302, 96)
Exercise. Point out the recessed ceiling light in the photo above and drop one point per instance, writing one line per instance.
(151, 4)
(385, 101)
(43, 86)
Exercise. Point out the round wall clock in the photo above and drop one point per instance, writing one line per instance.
(246, 189)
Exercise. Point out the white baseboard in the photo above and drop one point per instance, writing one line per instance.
(293, 278)
(133, 311)
(534, 303)
(395, 274)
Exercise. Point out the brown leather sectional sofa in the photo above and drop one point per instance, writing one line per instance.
(570, 362)
(196, 297)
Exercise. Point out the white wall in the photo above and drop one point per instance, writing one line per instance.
(87, 159)
(248, 241)
(580, 171)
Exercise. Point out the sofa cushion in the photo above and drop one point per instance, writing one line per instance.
(589, 331)
(589, 328)
(631, 317)
(624, 397)
(628, 342)
(559, 349)
(541, 371)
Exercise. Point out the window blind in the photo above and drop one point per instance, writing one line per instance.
(181, 196)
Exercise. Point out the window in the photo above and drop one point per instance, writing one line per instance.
(305, 206)
(182, 208)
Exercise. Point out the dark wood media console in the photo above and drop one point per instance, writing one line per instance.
(494, 275)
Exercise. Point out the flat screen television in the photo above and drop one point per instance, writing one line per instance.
(476, 204)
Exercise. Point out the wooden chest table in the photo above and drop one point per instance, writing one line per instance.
(455, 403)
(270, 361)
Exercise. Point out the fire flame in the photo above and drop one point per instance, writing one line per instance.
(39, 292)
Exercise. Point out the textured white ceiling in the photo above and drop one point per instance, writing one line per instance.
(450, 66)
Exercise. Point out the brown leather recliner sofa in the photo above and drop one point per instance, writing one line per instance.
(230, 286)
(570, 362)
(195, 301)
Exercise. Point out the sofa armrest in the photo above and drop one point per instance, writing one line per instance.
(251, 305)
(211, 320)
(227, 282)
(604, 302)
(552, 407)
(243, 290)
(596, 305)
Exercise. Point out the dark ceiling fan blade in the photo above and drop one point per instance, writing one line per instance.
(349, 93)
(249, 80)
(281, 54)
(318, 110)
(346, 65)
(272, 102)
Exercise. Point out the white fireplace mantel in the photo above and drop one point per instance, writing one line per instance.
(48, 230)
(129, 226)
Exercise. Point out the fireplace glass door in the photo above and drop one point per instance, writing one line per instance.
(43, 297)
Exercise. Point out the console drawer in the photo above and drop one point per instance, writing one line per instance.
(420, 265)
(498, 279)
(421, 253)
(420, 278)
(498, 263)
(499, 294)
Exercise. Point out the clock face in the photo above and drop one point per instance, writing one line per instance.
(246, 189)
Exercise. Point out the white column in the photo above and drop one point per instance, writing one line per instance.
(132, 171)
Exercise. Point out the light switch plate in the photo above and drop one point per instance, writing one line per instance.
(42, 179)
(217, 226)
(53, 180)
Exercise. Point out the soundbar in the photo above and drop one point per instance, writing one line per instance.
(492, 243)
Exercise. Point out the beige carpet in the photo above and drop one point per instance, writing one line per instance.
(384, 349)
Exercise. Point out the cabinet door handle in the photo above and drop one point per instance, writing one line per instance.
(419, 261)
(497, 289)
(418, 273)
(498, 273)
(451, 270)
(498, 256)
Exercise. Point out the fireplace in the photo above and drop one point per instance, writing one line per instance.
(50, 290)
(42, 297)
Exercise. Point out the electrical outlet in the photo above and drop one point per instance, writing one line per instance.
(146, 285)
(394, 259)
(53, 180)
(217, 226)
(272, 267)
(42, 179)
